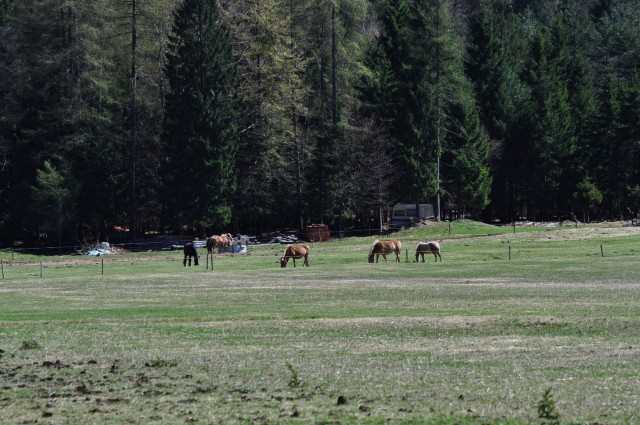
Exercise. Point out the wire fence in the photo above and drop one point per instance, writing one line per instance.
(17, 266)
(166, 256)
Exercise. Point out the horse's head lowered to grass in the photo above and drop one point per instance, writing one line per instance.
(295, 251)
(383, 248)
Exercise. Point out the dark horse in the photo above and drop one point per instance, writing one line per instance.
(426, 247)
(190, 251)
(295, 251)
(383, 248)
(211, 243)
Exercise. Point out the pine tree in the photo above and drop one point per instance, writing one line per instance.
(332, 41)
(496, 57)
(271, 94)
(552, 141)
(390, 96)
(468, 177)
(616, 124)
(67, 113)
(432, 111)
(199, 130)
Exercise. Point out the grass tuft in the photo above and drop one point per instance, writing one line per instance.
(30, 345)
(159, 363)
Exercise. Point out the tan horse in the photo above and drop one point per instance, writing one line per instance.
(212, 242)
(426, 247)
(383, 248)
(224, 241)
(295, 251)
(219, 241)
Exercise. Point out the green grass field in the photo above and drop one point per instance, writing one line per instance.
(476, 339)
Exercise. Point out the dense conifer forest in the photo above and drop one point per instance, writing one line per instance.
(204, 116)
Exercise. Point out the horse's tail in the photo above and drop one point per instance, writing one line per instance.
(373, 246)
(399, 245)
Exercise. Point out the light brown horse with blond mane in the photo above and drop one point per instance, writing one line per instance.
(220, 242)
(295, 251)
(383, 248)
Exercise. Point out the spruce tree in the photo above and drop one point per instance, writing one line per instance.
(427, 100)
(199, 129)
(496, 56)
(270, 100)
(552, 141)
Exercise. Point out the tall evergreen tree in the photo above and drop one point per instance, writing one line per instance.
(138, 56)
(8, 98)
(432, 112)
(199, 129)
(552, 140)
(67, 113)
(616, 129)
(333, 39)
(578, 28)
(271, 95)
(496, 57)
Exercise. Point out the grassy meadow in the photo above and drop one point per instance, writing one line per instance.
(476, 339)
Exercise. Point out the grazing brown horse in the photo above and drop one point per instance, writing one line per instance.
(295, 251)
(426, 247)
(383, 248)
(190, 251)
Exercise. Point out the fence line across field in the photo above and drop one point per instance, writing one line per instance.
(117, 265)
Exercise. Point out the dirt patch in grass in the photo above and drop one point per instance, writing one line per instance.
(564, 234)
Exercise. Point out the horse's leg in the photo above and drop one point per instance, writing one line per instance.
(294, 261)
(184, 262)
(398, 256)
(306, 260)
